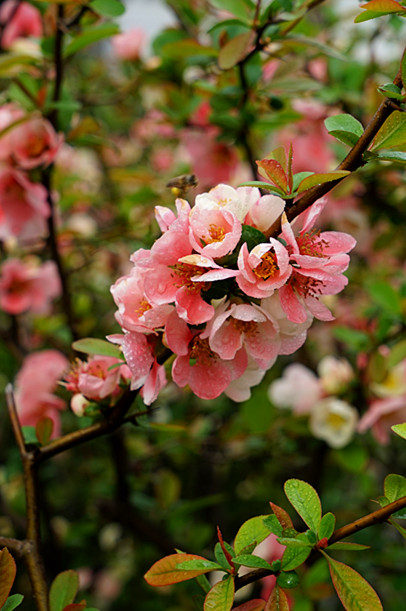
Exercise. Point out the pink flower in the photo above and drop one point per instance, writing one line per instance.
(270, 550)
(264, 269)
(243, 325)
(264, 212)
(292, 335)
(97, 378)
(34, 143)
(299, 388)
(240, 389)
(135, 312)
(196, 364)
(28, 286)
(214, 232)
(145, 372)
(23, 205)
(20, 19)
(128, 45)
(238, 201)
(35, 383)
(318, 262)
(381, 415)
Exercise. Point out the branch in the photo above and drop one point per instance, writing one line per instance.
(376, 517)
(352, 162)
(30, 547)
(112, 422)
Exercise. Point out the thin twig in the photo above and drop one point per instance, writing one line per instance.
(30, 547)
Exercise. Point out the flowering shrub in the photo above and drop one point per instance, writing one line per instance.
(226, 362)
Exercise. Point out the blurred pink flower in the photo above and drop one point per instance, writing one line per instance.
(128, 45)
(309, 138)
(28, 286)
(33, 143)
(270, 550)
(23, 205)
(20, 20)
(381, 415)
(212, 161)
(299, 388)
(35, 383)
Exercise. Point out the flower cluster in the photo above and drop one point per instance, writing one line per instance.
(221, 295)
(27, 142)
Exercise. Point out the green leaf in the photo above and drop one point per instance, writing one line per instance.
(392, 133)
(367, 15)
(354, 592)
(392, 91)
(8, 571)
(400, 429)
(12, 602)
(397, 354)
(297, 179)
(30, 436)
(305, 500)
(319, 179)
(252, 561)
(89, 36)
(288, 580)
(358, 340)
(294, 542)
(384, 295)
(92, 345)
(165, 571)
(390, 156)
(43, 430)
(327, 526)
(253, 530)
(395, 488)
(345, 128)
(220, 555)
(273, 525)
(399, 528)
(108, 8)
(221, 596)
(241, 9)
(63, 590)
(198, 564)
(222, 25)
(353, 547)
(235, 50)
(294, 557)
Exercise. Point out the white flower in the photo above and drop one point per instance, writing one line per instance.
(334, 421)
(299, 389)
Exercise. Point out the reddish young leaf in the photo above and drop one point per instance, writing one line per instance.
(8, 571)
(225, 551)
(76, 606)
(256, 604)
(165, 572)
(274, 171)
(278, 600)
(383, 6)
(235, 50)
(282, 515)
(353, 590)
